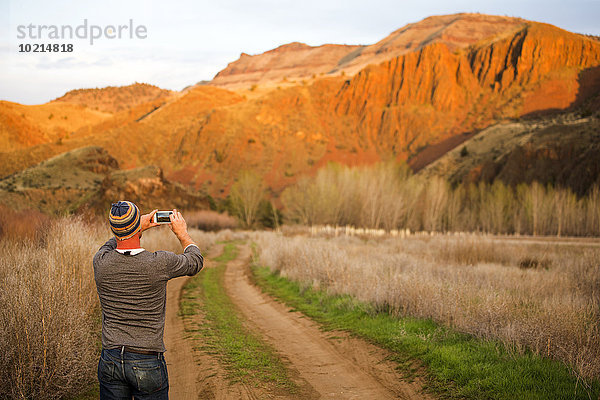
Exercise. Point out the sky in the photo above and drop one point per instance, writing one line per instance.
(182, 42)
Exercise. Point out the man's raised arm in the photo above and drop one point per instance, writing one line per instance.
(191, 261)
(179, 228)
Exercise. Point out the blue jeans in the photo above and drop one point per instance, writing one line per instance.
(123, 375)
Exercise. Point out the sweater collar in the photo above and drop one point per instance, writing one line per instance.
(130, 252)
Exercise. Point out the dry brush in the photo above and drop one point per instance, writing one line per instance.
(49, 320)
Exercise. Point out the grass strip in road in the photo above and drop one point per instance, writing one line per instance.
(221, 332)
(457, 365)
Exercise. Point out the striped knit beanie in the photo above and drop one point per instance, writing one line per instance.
(124, 219)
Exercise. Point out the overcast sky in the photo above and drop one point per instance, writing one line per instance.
(188, 41)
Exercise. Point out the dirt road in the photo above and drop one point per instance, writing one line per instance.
(328, 365)
(341, 368)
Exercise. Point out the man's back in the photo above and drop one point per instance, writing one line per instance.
(132, 292)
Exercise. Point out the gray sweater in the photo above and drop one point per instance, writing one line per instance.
(133, 293)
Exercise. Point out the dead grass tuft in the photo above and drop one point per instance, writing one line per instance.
(535, 263)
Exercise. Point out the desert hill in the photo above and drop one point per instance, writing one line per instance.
(300, 61)
(561, 149)
(24, 126)
(441, 82)
(113, 99)
(79, 112)
(89, 177)
(434, 95)
(293, 60)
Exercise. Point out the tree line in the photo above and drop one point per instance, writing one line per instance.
(388, 196)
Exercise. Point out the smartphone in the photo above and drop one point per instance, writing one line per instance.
(163, 217)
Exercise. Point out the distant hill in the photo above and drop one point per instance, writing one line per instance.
(418, 94)
(561, 150)
(289, 61)
(89, 178)
(113, 99)
(24, 126)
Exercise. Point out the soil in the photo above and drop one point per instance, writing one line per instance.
(183, 379)
(322, 364)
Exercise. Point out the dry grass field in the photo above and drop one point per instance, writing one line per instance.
(538, 295)
(50, 315)
(49, 319)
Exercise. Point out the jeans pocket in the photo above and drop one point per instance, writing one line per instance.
(149, 379)
(106, 370)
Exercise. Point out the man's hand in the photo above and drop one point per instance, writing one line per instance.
(178, 224)
(147, 221)
(179, 228)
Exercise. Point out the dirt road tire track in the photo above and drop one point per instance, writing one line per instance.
(183, 376)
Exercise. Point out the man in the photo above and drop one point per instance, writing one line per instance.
(131, 284)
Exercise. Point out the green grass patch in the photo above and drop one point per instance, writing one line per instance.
(91, 393)
(457, 365)
(245, 356)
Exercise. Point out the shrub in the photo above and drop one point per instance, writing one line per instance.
(24, 225)
(208, 220)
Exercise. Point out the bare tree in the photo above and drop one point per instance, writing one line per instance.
(534, 198)
(246, 195)
(564, 207)
(296, 202)
(592, 213)
(435, 197)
